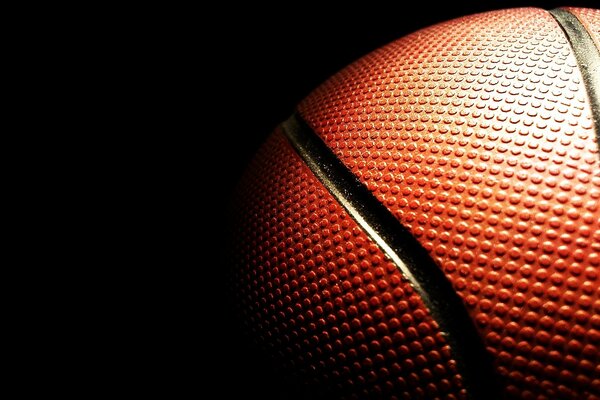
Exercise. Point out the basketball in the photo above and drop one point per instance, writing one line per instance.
(426, 224)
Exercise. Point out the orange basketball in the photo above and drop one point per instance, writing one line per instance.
(427, 224)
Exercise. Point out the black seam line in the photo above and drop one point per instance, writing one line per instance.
(473, 362)
(588, 59)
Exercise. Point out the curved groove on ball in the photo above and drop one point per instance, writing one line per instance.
(405, 251)
(587, 56)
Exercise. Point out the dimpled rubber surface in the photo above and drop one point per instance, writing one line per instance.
(590, 18)
(322, 297)
(477, 135)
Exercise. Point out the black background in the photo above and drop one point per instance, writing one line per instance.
(260, 64)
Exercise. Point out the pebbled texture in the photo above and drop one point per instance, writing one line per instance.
(477, 135)
(318, 294)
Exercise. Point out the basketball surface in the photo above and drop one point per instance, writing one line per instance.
(427, 224)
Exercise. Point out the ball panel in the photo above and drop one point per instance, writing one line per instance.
(323, 298)
(477, 135)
